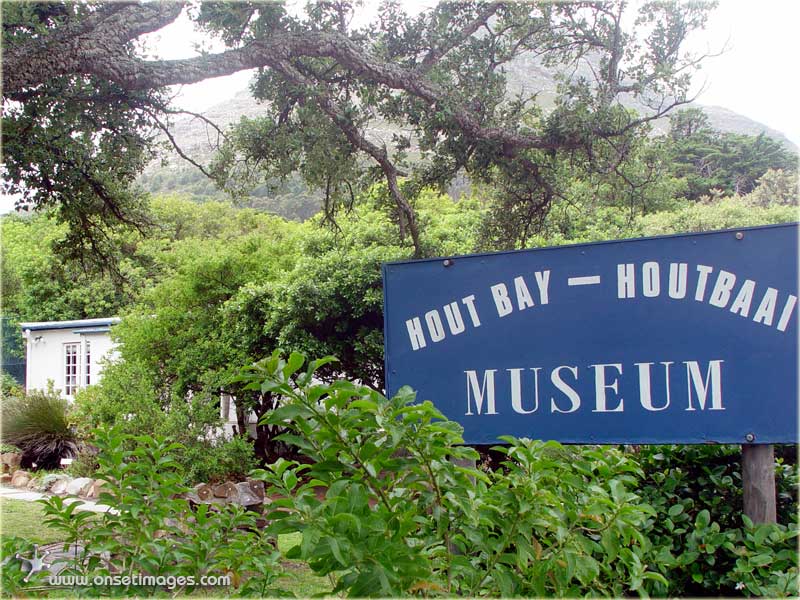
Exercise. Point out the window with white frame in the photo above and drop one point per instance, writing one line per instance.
(71, 354)
(88, 364)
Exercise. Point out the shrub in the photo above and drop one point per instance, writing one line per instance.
(399, 516)
(13, 573)
(84, 463)
(9, 386)
(703, 542)
(154, 531)
(37, 424)
(218, 460)
(124, 399)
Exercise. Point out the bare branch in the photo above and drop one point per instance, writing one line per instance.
(206, 120)
(175, 145)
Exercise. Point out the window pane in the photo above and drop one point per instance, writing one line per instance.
(70, 368)
(88, 363)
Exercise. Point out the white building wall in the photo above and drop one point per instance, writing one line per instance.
(47, 348)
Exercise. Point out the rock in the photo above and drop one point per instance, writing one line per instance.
(233, 495)
(35, 484)
(12, 459)
(203, 491)
(84, 491)
(60, 487)
(96, 488)
(79, 486)
(224, 490)
(48, 481)
(212, 502)
(246, 496)
(256, 487)
(177, 525)
(5, 479)
(20, 479)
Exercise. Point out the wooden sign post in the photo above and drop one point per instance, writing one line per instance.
(758, 479)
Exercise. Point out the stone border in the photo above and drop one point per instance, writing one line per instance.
(248, 493)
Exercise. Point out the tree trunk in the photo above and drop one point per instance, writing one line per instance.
(241, 419)
(265, 434)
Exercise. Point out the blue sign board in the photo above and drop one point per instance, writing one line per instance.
(679, 339)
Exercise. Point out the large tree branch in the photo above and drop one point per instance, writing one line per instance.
(148, 74)
(103, 52)
(91, 56)
(73, 49)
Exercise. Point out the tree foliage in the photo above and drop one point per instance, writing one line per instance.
(776, 186)
(40, 282)
(711, 160)
(72, 141)
(439, 75)
(332, 300)
(232, 290)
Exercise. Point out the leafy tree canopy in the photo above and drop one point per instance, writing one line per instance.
(712, 160)
(81, 99)
(39, 283)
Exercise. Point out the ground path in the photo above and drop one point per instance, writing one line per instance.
(11, 493)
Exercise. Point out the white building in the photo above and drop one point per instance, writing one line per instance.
(68, 353)
(71, 354)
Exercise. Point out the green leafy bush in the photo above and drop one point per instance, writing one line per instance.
(218, 460)
(703, 542)
(9, 386)
(84, 463)
(766, 560)
(37, 423)
(126, 400)
(400, 516)
(14, 573)
(154, 531)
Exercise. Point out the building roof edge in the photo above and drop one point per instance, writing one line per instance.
(41, 325)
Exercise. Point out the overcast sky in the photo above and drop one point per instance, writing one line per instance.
(756, 76)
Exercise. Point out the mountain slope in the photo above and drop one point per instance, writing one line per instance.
(293, 200)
